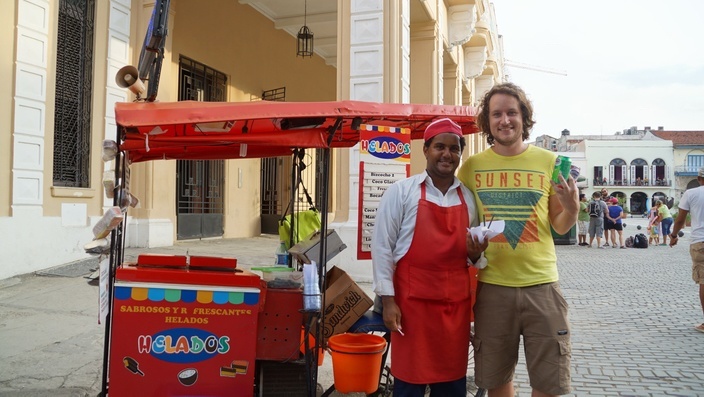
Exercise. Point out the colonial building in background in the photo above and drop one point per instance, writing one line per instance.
(635, 164)
(688, 157)
(61, 57)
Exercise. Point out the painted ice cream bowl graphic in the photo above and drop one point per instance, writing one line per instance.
(188, 376)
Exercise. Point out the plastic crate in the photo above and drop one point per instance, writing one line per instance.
(279, 325)
(280, 277)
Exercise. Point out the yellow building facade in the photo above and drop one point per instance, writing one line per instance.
(51, 177)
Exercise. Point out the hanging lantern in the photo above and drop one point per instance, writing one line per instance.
(305, 42)
(304, 47)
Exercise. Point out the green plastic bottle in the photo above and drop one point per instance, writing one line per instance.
(563, 165)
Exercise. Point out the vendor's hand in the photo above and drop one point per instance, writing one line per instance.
(567, 193)
(474, 247)
(392, 313)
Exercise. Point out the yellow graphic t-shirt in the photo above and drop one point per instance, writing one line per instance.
(515, 189)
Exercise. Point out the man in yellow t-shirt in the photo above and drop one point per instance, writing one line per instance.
(518, 293)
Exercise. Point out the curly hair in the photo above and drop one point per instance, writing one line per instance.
(514, 91)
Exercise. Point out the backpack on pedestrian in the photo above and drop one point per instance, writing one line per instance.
(594, 209)
(640, 241)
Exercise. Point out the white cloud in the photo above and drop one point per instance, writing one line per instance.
(628, 62)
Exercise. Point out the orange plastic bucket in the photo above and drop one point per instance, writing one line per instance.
(356, 361)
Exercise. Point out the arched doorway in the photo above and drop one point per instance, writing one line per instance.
(622, 198)
(638, 203)
(617, 171)
(639, 172)
(659, 173)
(669, 201)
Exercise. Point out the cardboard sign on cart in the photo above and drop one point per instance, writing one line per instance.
(308, 250)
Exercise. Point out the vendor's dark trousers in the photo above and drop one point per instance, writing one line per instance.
(455, 388)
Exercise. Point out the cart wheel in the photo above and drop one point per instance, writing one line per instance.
(386, 384)
(470, 358)
(471, 386)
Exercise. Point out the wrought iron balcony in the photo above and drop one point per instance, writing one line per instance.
(687, 170)
(625, 182)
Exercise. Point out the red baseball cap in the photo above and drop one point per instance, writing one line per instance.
(441, 126)
(613, 200)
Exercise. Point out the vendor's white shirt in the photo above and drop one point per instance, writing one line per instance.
(396, 221)
(693, 201)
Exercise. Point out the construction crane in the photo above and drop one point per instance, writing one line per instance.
(518, 65)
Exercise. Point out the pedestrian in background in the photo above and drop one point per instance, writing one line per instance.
(653, 234)
(583, 220)
(421, 253)
(518, 293)
(664, 219)
(605, 199)
(596, 210)
(604, 194)
(692, 203)
(653, 221)
(615, 227)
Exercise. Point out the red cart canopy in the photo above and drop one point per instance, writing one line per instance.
(227, 130)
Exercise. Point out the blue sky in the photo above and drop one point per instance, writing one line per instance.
(628, 63)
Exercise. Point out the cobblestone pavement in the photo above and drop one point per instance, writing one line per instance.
(633, 323)
(632, 313)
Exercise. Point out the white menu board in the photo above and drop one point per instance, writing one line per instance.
(385, 156)
(376, 178)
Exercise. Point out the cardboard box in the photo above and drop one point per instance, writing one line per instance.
(345, 302)
(309, 249)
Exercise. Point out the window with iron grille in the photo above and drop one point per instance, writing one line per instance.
(694, 162)
(74, 83)
(200, 82)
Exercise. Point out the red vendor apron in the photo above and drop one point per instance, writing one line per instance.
(432, 290)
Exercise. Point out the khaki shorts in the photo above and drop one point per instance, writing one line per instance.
(539, 313)
(696, 251)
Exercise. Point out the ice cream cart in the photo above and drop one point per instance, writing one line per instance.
(183, 330)
(184, 325)
(145, 342)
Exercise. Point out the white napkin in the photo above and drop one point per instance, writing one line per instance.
(487, 230)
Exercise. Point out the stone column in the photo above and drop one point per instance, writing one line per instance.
(373, 65)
